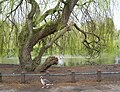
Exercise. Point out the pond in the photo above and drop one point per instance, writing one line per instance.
(69, 60)
(9, 60)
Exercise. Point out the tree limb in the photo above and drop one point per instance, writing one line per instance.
(68, 8)
(45, 47)
(16, 7)
(59, 34)
(48, 12)
(92, 46)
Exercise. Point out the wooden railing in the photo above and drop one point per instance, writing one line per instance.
(72, 74)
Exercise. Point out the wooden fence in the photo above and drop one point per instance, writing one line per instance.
(71, 74)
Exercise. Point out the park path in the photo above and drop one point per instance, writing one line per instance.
(84, 88)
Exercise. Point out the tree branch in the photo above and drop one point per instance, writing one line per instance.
(48, 12)
(53, 27)
(92, 46)
(59, 34)
(68, 8)
(45, 47)
(34, 8)
(16, 7)
(1, 2)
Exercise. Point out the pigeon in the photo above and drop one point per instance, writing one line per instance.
(46, 83)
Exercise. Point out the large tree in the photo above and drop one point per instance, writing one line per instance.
(38, 25)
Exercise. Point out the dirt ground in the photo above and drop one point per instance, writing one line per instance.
(84, 83)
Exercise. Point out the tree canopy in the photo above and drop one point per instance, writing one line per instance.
(59, 25)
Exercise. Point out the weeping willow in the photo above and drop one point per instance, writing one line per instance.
(92, 16)
(97, 24)
(71, 42)
(8, 29)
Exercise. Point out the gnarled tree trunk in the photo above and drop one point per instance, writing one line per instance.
(29, 37)
(52, 60)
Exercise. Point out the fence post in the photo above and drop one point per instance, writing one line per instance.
(73, 77)
(0, 77)
(22, 77)
(47, 74)
(99, 78)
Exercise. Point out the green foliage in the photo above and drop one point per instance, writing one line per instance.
(7, 40)
(12, 3)
(71, 42)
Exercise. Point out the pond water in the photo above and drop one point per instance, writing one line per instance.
(9, 60)
(69, 60)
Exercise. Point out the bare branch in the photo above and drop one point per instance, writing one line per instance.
(80, 31)
(16, 7)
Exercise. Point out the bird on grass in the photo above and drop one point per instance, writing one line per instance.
(46, 83)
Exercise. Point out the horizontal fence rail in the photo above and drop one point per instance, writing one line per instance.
(72, 74)
(110, 72)
(59, 74)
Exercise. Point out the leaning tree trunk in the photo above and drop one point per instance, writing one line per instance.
(52, 60)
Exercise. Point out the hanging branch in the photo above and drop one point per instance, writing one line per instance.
(90, 45)
(16, 7)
